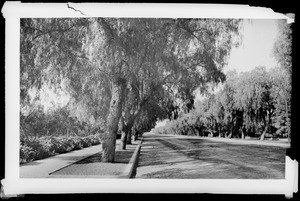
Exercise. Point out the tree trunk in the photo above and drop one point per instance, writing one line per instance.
(130, 122)
(123, 135)
(243, 134)
(115, 111)
(262, 137)
(130, 125)
(128, 140)
(123, 140)
(198, 132)
(267, 124)
(211, 133)
(230, 134)
(126, 132)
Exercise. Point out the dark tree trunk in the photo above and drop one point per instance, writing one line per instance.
(115, 111)
(124, 139)
(130, 122)
(126, 132)
(128, 140)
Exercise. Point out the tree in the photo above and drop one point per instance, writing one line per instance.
(148, 117)
(98, 59)
(253, 98)
(249, 103)
(218, 109)
(167, 55)
(282, 49)
(167, 58)
(49, 55)
(226, 99)
(281, 93)
(282, 52)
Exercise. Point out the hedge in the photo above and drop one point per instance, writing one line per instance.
(38, 148)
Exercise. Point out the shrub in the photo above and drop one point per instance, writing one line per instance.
(26, 154)
(77, 143)
(43, 147)
(86, 142)
(44, 150)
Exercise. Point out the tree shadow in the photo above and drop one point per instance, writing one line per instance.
(223, 160)
(121, 156)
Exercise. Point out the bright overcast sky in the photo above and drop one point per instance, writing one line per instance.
(256, 48)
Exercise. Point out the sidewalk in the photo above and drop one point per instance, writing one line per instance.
(42, 168)
(84, 163)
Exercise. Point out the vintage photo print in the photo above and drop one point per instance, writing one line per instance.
(148, 98)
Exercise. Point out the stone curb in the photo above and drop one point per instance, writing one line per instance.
(129, 170)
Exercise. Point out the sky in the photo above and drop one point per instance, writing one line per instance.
(258, 37)
(256, 49)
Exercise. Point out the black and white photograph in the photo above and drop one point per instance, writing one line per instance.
(150, 100)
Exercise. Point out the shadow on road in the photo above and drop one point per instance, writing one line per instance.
(121, 156)
(169, 157)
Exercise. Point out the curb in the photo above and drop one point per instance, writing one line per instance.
(130, 168)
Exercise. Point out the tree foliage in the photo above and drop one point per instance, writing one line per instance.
(282, 49)
(121, 67)
(254, 104)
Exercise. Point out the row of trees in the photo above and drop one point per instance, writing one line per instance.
(119, 73)
(249, 104)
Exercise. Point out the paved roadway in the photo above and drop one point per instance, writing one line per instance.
(169, 156)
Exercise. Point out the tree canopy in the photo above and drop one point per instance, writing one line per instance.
(122, 67)
(253, 104)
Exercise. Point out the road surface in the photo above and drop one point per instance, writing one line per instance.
(180, 157)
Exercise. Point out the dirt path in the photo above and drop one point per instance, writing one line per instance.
(167, 156)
